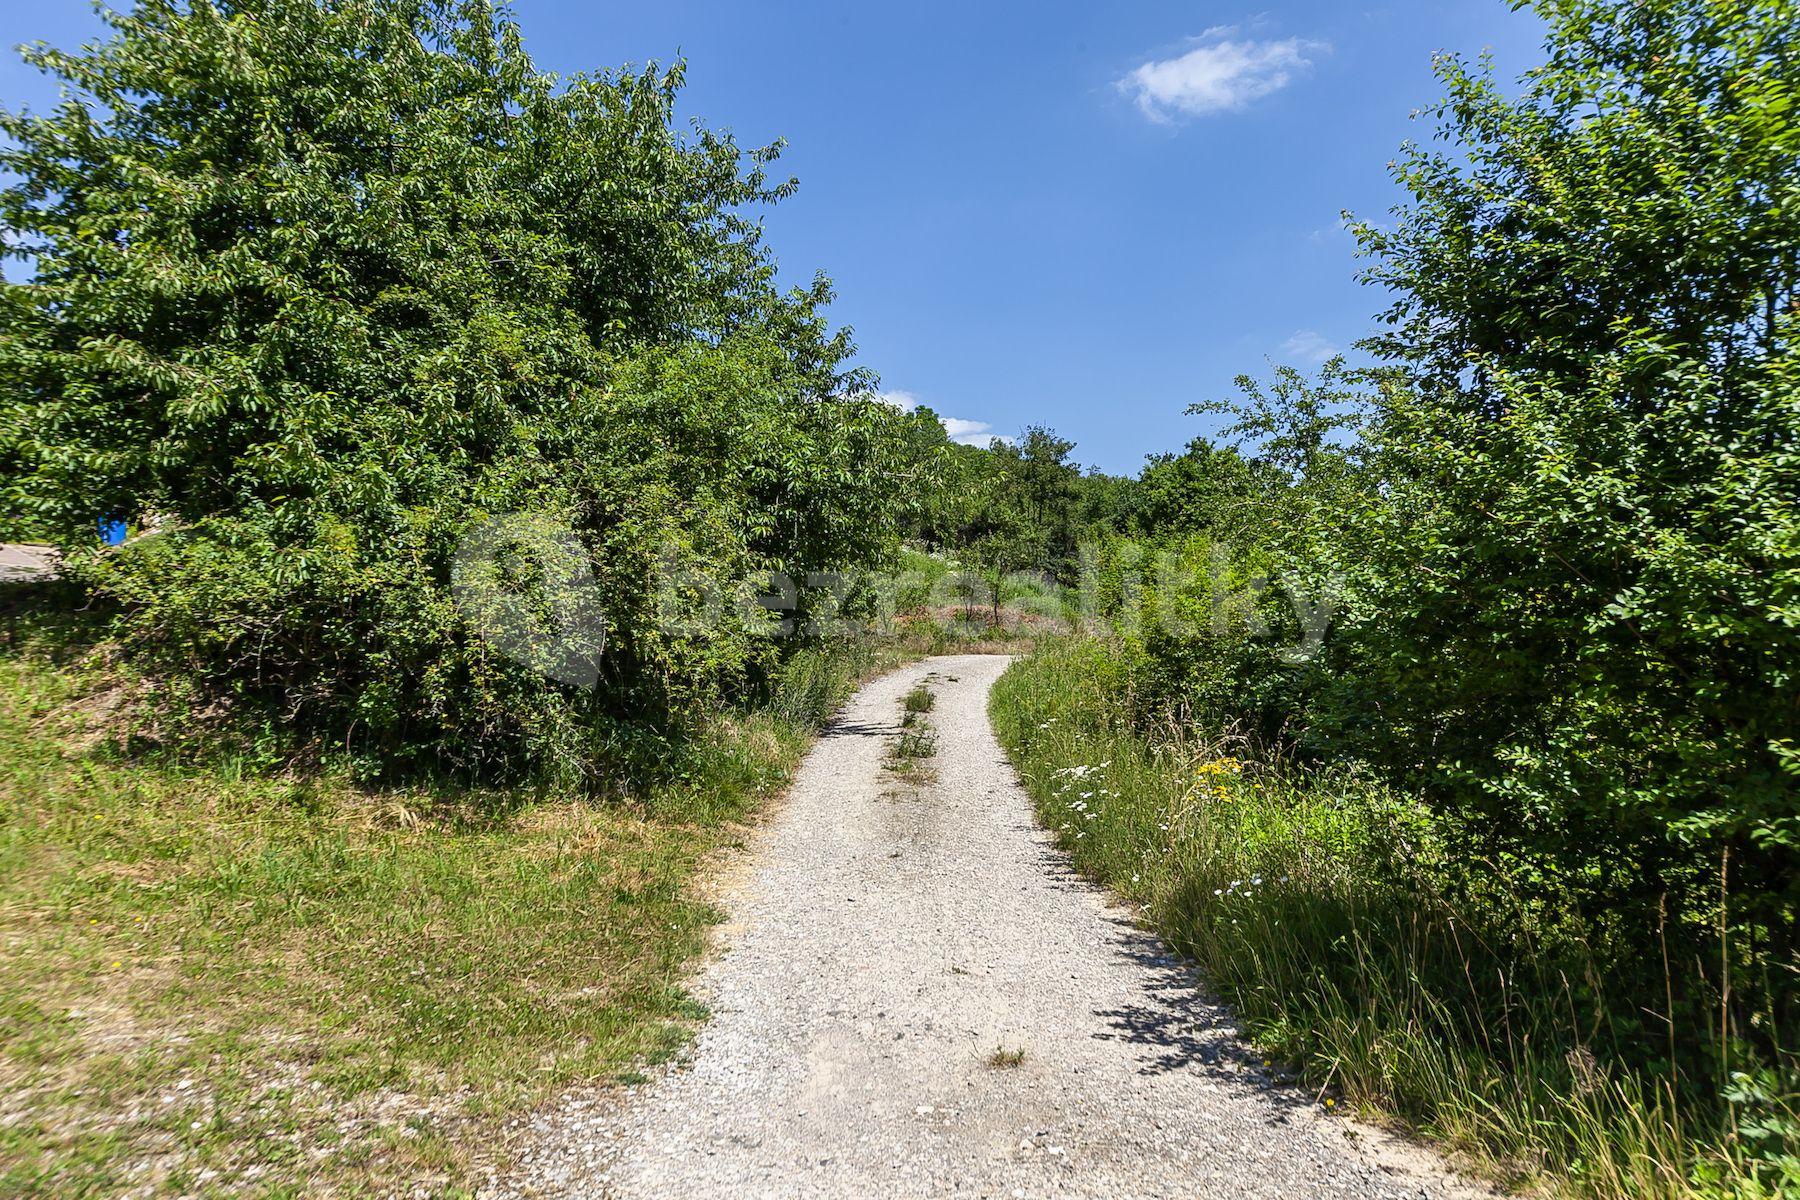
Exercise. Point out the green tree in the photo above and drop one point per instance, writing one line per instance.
(330, 283)
(1577, 590)
(1103, 504)
(1037, 499)
(1562, 521)
(1203, 489)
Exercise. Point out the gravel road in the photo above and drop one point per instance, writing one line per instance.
(886, 937)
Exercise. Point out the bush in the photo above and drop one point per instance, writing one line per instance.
(1361, 946)
(333, 289)
(1564, 535)
(1577, 570)
(1560, 521)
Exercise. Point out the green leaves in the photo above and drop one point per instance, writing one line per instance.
(1597, 310)
(319, 283)
(1567, 528)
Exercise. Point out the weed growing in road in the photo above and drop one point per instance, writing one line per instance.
(907, 757)
(1003, 1059)
(916, 743)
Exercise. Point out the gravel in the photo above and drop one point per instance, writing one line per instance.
(22, 562)
(886, 938)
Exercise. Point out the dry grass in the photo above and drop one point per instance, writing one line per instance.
(217, 982)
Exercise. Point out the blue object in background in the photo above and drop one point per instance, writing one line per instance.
(112, 531)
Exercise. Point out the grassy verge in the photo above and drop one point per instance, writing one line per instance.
(218, 982)
(1314, 903)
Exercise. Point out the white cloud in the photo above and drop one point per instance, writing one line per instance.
(969, 433)
(1309, 345)
(1338, 234)
(1222, 75)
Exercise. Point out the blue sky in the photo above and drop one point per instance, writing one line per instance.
(1081, 215)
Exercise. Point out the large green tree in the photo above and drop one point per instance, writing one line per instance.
(1558, 530)
(326, 283)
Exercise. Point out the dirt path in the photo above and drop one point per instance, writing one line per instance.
(887, 938)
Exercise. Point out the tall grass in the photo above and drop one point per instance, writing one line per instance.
(1323, 906)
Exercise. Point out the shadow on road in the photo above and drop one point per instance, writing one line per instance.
(1177, 1027)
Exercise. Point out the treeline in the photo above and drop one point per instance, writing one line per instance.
(1026, 505)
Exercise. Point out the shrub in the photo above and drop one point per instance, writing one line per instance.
(1577, 571)
(330, 287)
(1560, 519)
(1565, 537)
(1359, 944)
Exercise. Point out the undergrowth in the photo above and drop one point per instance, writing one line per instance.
(1320, 905)
(219, 977)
